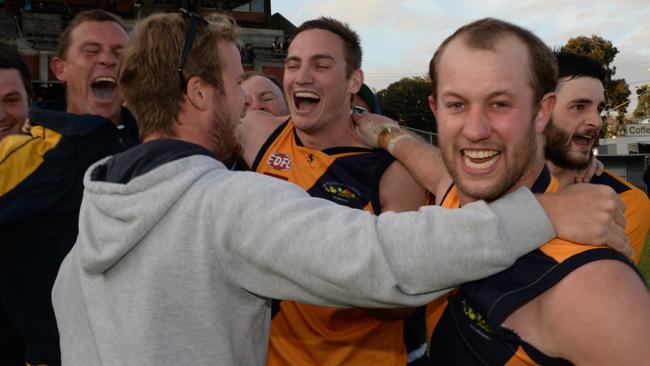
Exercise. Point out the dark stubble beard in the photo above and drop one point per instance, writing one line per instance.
(227, 147)
(558, 146)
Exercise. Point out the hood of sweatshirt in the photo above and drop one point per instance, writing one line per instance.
(128, 194)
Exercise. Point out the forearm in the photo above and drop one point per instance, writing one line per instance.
(421, 159)
(331, 255)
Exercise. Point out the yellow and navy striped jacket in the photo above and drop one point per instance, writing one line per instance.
(41, 185)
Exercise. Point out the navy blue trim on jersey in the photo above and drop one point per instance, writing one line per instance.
(470, 330)
(606, 179)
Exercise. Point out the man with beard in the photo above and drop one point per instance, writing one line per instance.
(177, 257)
(493, 94)
(41, 185)
(572, 135)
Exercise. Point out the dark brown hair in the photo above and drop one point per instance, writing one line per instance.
(352, 44)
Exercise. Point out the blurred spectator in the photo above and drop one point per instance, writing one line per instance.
(277, 45)
(15, 90)
(248, 55)
(263, 93)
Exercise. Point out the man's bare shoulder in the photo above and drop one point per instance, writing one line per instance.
(254, 129)
(399, 191)
(597, 314)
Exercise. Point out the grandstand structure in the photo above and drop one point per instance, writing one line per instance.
(34, 27)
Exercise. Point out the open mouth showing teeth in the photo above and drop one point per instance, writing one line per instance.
(104, 87)
(480, 159)
(302, 99)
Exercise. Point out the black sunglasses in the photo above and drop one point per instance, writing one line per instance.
(195, 20)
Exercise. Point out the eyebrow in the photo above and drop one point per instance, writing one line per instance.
(582, 101)
(99, 45)
(312, 58)
(497, 93)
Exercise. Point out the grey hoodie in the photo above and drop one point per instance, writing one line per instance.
(176, 265)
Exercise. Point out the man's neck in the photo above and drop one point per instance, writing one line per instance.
(565, 177)
(528, 179)
(333, 134)
(74, 109)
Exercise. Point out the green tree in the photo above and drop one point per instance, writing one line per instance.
(642, 110)
(409, 98)
(617, 91)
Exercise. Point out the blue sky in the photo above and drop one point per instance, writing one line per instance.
(399, 37)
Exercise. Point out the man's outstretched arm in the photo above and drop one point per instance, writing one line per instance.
(583, 213)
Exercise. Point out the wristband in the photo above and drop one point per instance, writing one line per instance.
(391, 144)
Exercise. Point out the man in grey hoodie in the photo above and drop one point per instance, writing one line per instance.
(177, 257)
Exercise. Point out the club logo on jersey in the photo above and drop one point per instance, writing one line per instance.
(480, 323)
(340, 190)
(279, 161)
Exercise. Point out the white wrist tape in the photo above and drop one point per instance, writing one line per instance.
(394, 141)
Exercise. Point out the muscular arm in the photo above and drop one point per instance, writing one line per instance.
(253, 130)
(582, 213)
(597, 315)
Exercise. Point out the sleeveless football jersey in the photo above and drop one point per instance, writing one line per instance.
(304, 334)
(465, 327)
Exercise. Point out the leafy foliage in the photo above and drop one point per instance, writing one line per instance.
(409, 96)
(642, 110)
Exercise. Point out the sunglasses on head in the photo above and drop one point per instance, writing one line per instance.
(195, 21)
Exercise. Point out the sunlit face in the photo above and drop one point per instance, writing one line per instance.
(575, 125)
(315, 83)
(487, 122)
(89, 68)
(14, 104)
(228, 107)
(264, 95)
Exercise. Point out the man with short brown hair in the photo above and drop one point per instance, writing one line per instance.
(494, 94)
(41, 185)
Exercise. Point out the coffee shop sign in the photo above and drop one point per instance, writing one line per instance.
(638, 129)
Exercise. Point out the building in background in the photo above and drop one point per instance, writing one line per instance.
(34, 27)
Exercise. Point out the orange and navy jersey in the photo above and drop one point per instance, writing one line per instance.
(466, 326)
(345, 175)
(314, 335)
(637, 210)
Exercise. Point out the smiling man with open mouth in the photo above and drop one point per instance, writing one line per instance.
(41, 185)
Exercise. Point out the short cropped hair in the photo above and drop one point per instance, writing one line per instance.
(93, 15)
(11, 59)
(484, 33)
(148, 76)
(574, 66)
(351, 42)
